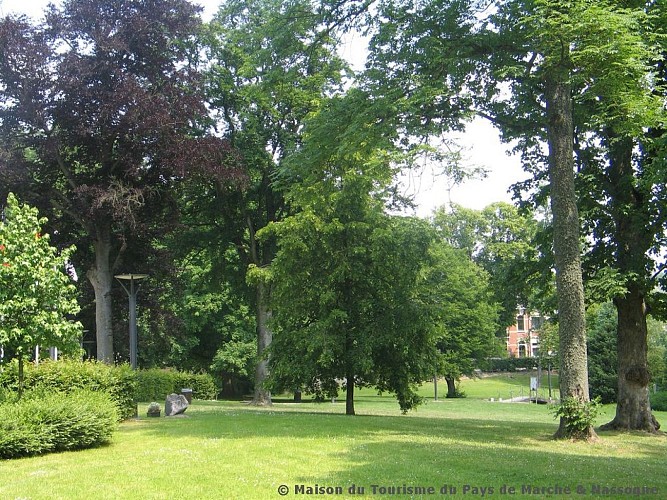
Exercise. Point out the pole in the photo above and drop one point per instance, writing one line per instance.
(133, 324)
(132, 292)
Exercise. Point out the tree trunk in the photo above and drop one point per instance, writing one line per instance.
(100, 277)
(631, 218)
(633, 409)
(349, 395)
(451, 387)
(262, 396)
(569, 282)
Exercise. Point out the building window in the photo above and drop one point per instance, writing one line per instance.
(522, 350)
(536, 322)
(520, 326)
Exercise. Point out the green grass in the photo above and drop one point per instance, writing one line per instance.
(231, 450)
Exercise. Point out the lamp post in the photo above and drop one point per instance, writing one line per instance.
(132, 289)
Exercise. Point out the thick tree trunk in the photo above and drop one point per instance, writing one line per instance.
(101, 278)
(451, 387)
(262, 396)
(631, 218)
(569, 282)
(633, 409)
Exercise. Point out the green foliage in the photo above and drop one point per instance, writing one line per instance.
(36, 294)
(657, 351)
(578, 416)
(502, 241)
(157, 384)
(507, 364)
(602, 357)
(64, 376)
(346, 299)
(461, 309)
(56, 422)
(659, 401)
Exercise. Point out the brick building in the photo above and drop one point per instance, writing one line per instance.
(523, 338)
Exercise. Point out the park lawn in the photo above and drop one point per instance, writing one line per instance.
(231, 450)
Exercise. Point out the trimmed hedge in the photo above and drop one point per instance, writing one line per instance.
(65, 375)
(124, 385)
(507, 364)
(56, 422)
(155, 384)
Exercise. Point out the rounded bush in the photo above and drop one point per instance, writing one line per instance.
(56, 422)
(66, 375)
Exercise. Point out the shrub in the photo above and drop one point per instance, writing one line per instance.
(64, 376)
(579, 416)
(202, 384)
(156, 384)
(659, 401)
(57, 422)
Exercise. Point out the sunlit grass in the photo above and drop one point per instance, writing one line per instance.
(232, 450)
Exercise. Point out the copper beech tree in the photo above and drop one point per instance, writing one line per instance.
(99, 112)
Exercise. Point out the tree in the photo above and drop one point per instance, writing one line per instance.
(346, 276)
(270, 66)
(503, 241)
(345, 300)
(462, 310)
(37, 296)
(100, 112)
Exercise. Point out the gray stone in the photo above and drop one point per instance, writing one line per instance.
(175, 404)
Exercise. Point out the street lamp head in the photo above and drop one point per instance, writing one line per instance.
(130, 276)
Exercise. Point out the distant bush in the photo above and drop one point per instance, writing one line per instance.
(56, 422)
(156, 384)
(65, 376)
(659, 401)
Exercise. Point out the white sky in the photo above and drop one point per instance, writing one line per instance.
(483, 148)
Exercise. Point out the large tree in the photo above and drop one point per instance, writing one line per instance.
(346, 298)
(606, 49)
(270, 65)
(97, 106)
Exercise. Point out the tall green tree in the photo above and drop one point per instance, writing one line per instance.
(613, 100)
(462, 310)
(345, 293)
(37, 295)
(346, 277)
(98, 108)
(270, 65)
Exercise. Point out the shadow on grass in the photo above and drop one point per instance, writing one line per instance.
(436, 450)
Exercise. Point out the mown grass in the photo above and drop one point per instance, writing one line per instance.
(231, 450)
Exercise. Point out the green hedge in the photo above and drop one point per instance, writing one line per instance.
(56, 422)
(155, 384)
(124, 385)
(659, 401)
(64, 376)
(508, 364)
